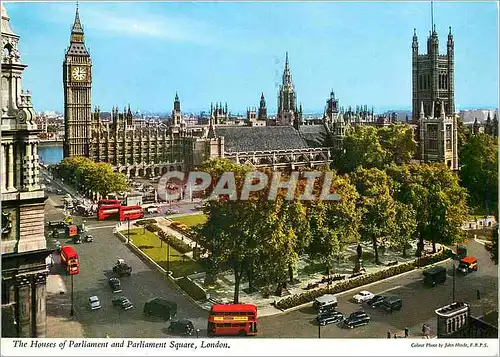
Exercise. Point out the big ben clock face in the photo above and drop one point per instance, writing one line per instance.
(78, 73)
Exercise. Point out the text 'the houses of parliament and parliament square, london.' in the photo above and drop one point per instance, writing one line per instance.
(94, 245)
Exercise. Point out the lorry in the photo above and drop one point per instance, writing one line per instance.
(133, 200)
(121, 268)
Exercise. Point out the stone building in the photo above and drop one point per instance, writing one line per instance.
(24, 247)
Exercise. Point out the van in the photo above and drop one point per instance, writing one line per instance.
(160, 307)
(392, 303)
(325, 303)
(435, 275)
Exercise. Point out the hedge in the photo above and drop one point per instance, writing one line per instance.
(299, 299)
(175, 243)
(192, 289)
(153, 228)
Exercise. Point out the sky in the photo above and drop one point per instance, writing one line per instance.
(143, 53)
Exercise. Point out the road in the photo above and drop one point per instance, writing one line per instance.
(419, 303)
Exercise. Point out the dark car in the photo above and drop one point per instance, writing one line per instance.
(392, 303)
(356, 320)
(359, 313)
(376, 301)
(115, 284)
(123, 302)
(56, 224)
(331, 317)
(181, 327)
(77, 239)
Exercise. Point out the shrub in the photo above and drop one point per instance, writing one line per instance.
(356, 282)
(152, 227)
(143, 222)
(192, 289)
(175, 243)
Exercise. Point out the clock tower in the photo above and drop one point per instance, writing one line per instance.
(77, 81)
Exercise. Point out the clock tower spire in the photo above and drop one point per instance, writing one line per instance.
(77, 82)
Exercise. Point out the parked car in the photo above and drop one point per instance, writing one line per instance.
(356, 319)
(363, 296)
(122, 302)
(330, 317)
(357, 314)
(56, 224)
(88, 238)
(94, 303)
(181, 327)
(77, 239)
(434, 275)
(115, 285)
(376, 301)
(172, 211)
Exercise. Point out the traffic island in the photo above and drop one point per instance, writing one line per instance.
(150, 244)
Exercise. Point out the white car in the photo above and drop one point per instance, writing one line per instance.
(94, 303)
(363, 296)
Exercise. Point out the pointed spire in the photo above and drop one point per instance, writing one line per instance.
(433, 110)
(77, 25)
(422, 113)
(176, 97)
(442, 109)
(287, 77)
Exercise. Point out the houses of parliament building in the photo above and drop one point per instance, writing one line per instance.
(286, 141)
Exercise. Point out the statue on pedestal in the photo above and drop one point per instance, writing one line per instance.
(358, 265)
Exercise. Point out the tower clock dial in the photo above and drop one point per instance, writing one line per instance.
(78, 73)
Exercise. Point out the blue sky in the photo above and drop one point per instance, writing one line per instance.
(230, 51)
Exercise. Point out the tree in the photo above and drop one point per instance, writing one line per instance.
(361, 148)
(398, 142)
(479, 171)
(494, 246)
(434, 193)
(404, 226)
(376, 205)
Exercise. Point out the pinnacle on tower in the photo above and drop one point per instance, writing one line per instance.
(442, 109)
(77, 25)
(433, 110)
(422, 113)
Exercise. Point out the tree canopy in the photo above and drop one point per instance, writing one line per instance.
(479, 171)
(93, 177)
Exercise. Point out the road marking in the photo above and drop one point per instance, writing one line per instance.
(99, 227)
(386, 290)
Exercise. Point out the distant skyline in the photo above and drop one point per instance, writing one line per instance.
(143, 53)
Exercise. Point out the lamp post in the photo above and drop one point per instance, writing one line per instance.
(128, 230)
(72, 312)
(319, 329)
(197, 333)
(168, 258)
(454, 273)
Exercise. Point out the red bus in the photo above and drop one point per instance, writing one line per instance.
(69, 260)
(131, 212)
(108, 203)
(104, 212)
(232, 319)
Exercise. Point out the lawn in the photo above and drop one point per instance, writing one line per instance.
(191, 220)
(150, 244)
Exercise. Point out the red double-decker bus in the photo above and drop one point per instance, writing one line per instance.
(108, 202)
(69, 260)
(131, 213)
(232, 319)
(104, 212)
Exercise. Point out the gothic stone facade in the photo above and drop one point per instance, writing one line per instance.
(24, 248)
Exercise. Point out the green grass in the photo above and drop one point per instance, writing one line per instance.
(150, 244)
(191, 220)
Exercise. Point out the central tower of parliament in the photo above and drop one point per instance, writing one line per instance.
(287, 141)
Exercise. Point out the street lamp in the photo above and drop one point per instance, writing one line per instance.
(319, 329)
(168, 258)
(72, 312)
(454, 273)
(197, 332)
(128, 231)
